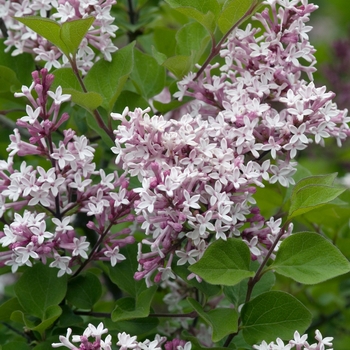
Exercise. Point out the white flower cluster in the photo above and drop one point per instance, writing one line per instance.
(24, 39)
(91, 339)
(298, 343)
(38, 205)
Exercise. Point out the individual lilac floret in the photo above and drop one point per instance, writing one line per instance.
(298, 343)
(244, 128)
(24, 39)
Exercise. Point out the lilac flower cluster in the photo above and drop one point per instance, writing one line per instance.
(24, 39)
(199, 172)
(91, 339)
(38, 205)
(298, 343)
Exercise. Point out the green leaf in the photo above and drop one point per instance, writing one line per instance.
(122, 274)
(271, 315)
(73, 32)
(150, 81)
(166, 107)
(47, 28)
(52, 314)
(68, 318)
(84, 291)
(311, 197)
(16, 345)
(158, 56)
(66, 78)
(165, 43)
(223, 321)
(8, 79)
(192, 37)
(237, 294)
(224, 262)
(87, 100)
(23, 64)
(309, 258)
(207, 288)
(108, 78)
(128, 308)
(66, 37)
(327, 179)
(39, 288)
(8, 307)
(179, 65)
(232, 12)
(203, 11)
(130, 99)
(137, 326)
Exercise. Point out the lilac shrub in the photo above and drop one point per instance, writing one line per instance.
(186, 183)
(244, 128)
(23, 39)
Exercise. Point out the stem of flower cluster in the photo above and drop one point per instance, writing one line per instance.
(254, 280)
(216, 48)
(96, 113)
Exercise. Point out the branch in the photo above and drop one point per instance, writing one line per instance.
(216, 49)
(97, 115)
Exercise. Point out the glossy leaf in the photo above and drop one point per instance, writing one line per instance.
(88, 100)
(84, 291)
(15, 345)
(223, 321)
(137, 326)
(122, 274)
(237, 293)
(207, 288)
(203, 11)
(232, 12)
(130, 99)
(309, 258)
(273, 315)
(51, 315)
(73, 32)
(165, 42)
(8, 307)
(192, 37)
(148, 81)
(224, 262)
(179, 65)
(108, 78)
(47, 28)
(128, 308)
(39, 288)
(66, 78)
(327, 179)
(8, 79)
(311, 197)
(68, 318)
(67, 37)
(23, 65)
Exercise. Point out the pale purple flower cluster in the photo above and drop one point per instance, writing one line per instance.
(199, 173)
(298, 343)
(24, 39)
(92, 339)
(38, 205)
